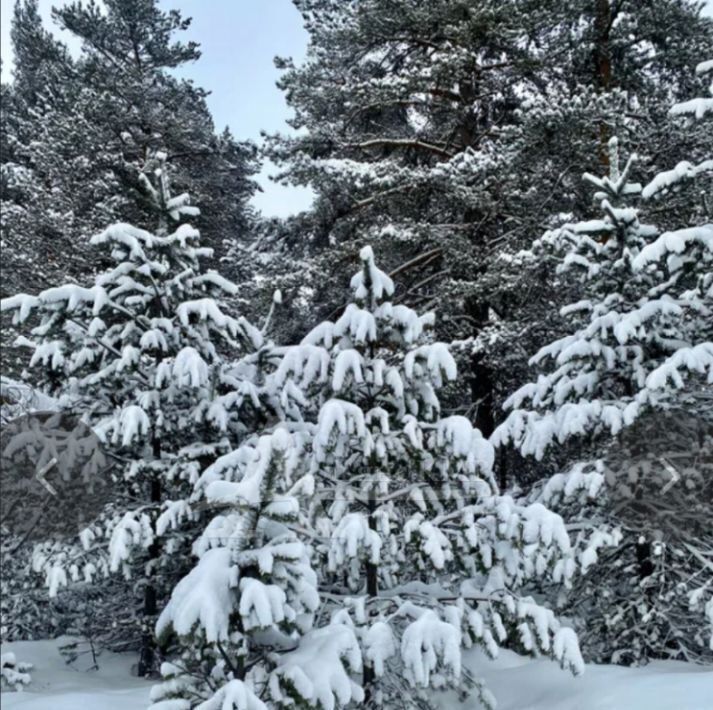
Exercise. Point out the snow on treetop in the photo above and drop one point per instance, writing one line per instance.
(615, 183)
(370, 280)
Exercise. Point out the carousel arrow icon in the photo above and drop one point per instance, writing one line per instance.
(671, 469)
(40, 476)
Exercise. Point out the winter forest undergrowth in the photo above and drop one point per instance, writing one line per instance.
(443, 439)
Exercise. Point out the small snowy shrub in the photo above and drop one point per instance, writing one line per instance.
(15, 675)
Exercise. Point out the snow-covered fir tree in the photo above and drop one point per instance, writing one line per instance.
(423, 553)
(386, 508)
(643, 331)
(141, 356)
(638, 366)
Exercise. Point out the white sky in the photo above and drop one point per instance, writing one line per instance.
(239, 39)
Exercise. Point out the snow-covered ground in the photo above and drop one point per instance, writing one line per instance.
(518, 684)
(58, 686)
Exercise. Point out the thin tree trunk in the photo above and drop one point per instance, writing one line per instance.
(147, 658)
(482, 393)
(603, 69)
(372, 589)
(481, 377)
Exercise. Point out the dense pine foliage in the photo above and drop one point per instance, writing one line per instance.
(465, 399)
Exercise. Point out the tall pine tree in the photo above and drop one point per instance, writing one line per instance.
(76, 132)
(448, 131)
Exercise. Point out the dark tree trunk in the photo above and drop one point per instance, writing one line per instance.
(147, 658)
(372, 589)
(482, 393)
(481, 374)
(602, 51)
(643, 557)
(603, 20)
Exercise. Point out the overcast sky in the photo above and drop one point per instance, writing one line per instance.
(239, 39)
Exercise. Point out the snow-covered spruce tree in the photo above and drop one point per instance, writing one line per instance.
(638, 366)
(252, 593)
(360, 543)
(642, 331)
(139, 355)
(418, 553)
